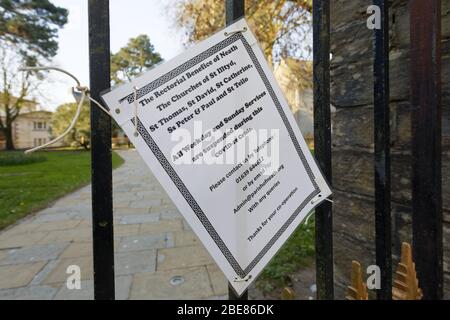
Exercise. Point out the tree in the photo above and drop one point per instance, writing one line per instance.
(28, 34)
(81, 133)
(281, 26)
(15, 88)
(32, 26)
(133, 59)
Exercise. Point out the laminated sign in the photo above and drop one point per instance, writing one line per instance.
(213, 126)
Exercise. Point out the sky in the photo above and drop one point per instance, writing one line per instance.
(126, 21)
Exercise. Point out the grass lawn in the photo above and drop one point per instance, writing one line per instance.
(31, 183)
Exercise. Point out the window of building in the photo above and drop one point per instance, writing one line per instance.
(39, 126)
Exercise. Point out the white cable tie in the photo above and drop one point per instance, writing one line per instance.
(99, 105)
(309, 216)
(227, 34)
(88, 95)
(52, 68)
(313, 211)
(245, 279)
(84, 93)
(319, 197)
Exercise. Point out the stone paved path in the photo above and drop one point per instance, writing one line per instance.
(157, 255)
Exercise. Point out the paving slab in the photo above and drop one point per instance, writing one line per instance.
(43, 273)
(127, 263)
(181, 257)
(59, 273)
(125, 211)
(121, 204)
(126, 230)
(49, 217)
(19, 275)
(163, 208)
(81, 215)
(3, 254)
(186, 239)
(140, 218)
(33, 254)
(122, 188)
(122, 285)
(21, 240)
(77, 250)
(146, 242)
(192, 283)
(147, 203)
(86, 223)
(218, 281)
(186, 226)
(28, 293)
(161, 227)
(57, 225)
(76, 234)
(86, 292)
(20, 228)
(150, 194)
(170, 215)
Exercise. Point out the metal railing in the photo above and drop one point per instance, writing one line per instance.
(426, 150)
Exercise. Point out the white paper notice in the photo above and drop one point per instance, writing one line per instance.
(216, 131)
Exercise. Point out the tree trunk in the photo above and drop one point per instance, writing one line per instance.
(85, 145)
(9, 138)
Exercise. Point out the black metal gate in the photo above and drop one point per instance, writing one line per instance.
(425, 21)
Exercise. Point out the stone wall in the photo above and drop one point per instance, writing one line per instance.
(352, 95)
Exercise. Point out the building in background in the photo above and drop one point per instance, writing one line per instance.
(295, 79)
(31, 128)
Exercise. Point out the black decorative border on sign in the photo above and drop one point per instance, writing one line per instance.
(180, 184)
(180, 69)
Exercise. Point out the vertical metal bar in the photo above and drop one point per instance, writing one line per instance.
(234, 9)
(322, 145)
(233, 296)
(425, 30)
(102, 214)
(382, 152)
